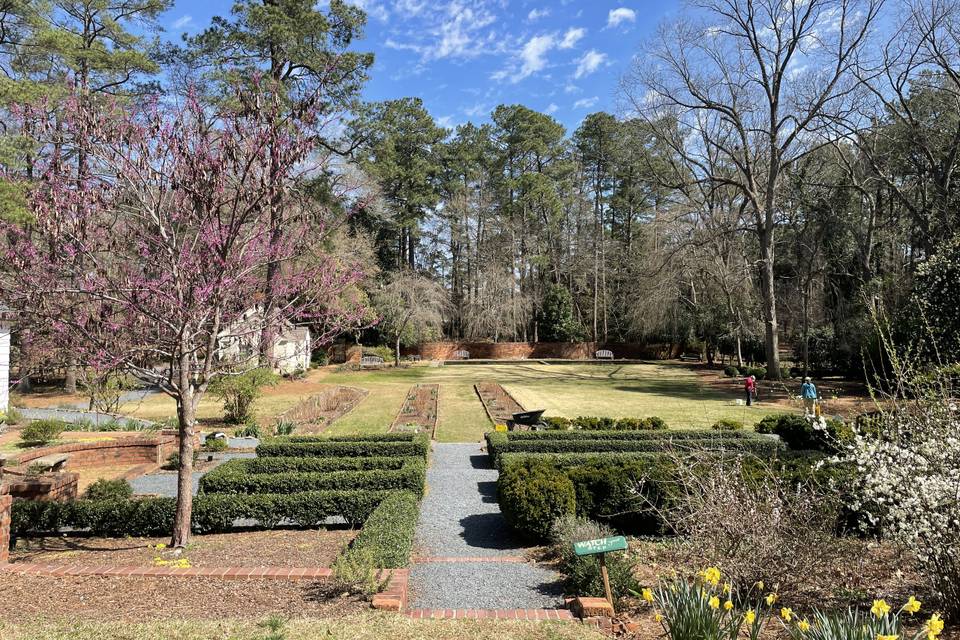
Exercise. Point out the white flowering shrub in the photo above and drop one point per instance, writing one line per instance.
(908, 460)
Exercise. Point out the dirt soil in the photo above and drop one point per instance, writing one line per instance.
(27, 597)
(278, 548)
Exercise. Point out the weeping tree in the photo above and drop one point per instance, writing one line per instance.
(411, 308)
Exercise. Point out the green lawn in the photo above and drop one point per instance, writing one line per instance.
(669, 390)
(364, 626)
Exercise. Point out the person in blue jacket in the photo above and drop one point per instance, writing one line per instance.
(808, 391)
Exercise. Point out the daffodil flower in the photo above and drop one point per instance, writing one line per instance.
(880, 608)
(912, 606)
(714, 602)
(786, 613)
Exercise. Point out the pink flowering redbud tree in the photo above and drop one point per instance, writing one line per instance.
(149, 263)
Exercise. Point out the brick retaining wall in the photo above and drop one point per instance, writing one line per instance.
(543, 350)
(5, 502)
(49, 487)
(121, 451)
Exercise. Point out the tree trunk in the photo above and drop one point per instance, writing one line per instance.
(396, 352)
(186, 416)
(70, 381)
(769, 304)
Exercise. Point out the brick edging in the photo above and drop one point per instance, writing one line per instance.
(394, 595)
(225, 573)
(535, 615)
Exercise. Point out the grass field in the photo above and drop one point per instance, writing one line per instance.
(669, 390)
(364, 626)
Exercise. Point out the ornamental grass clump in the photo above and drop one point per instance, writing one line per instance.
(708, 608)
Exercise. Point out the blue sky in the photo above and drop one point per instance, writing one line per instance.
(464, 57)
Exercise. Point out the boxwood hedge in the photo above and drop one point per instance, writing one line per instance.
(326, 448)
(410, 476)
(154, 516)
(283, 465)
(388, 533)
(652, 423)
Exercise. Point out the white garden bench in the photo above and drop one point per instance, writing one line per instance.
(604, 354)
(461, 355)
(371, 361)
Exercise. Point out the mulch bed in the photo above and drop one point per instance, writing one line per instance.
(419, 411)
(499, 405)
(277, 548)
(319, 411)
(27, 597)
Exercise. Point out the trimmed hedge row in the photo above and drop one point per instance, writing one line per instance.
(499, 443)
(653, 423)
(628, 490)
(388, 533)
(411, 477)
(369, 437)
(284, 465)
(283, 447)
(211, 513)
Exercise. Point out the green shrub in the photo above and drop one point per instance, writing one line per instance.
(356, 571)
(410, 477)
(731, 371)
(215, 444)
(104, 489)
(239, 392)
(802, 433)
(758, 372)
(727, 424)
(211, 513)
(388, 532)
(532, 496)
(329, 447)
(653, 423)
(282, 465)
(249, 430)
(582, 573)
(284, 427)
(11, 416)
(384, 351)
(172, 462)
(42, 432)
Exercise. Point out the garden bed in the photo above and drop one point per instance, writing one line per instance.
(498, 403)
(27, 598)
(278, 548)
(419, 411)
(319, 411)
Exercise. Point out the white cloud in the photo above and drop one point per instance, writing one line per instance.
(182, 22)
(458, 31)
(589, 63)
(571, 88)
(534, 55)
(536, 14)
(372, 8)
(586, 103)
(552, 108)
(571, 37)
(476, 110)
(620, 15)
(409, 7)
(446, 122)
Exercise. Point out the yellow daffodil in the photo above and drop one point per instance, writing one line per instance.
(804, 626)
(714, 602)
(711, 575)
(880, 608)
(726, 587)
(647, 595)
(912, 606)
(759, 585)
(883, 637)
(658, 617)
(786, 613)
(771, 598)
(750, 617)
(728, 605)
(934, 626)
(160, 545)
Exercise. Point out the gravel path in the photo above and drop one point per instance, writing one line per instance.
(459, 517)
(74, 415)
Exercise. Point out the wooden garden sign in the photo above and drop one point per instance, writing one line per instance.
(601, 547)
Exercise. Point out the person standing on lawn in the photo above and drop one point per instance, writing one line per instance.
(750, 387)
(808, 391)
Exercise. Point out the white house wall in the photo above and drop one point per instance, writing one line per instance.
(4, 366)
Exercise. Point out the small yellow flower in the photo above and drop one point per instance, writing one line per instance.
(880, 608)
(647, 595)
(883, 637)
(786, 613)
(912, 606)
(160, 545)
(726, 587)
(804, 626)
(751, 617)
(760, 585)
(728, 605)
(934, 626)
(658, 617)
(771, 598)
(714, 602)
(711, 575)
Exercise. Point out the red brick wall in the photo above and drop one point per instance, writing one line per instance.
(49, 487)
(542, 350)
(5, 502)
(122, 451)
